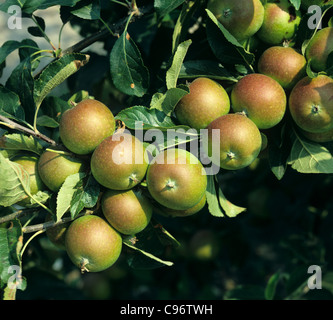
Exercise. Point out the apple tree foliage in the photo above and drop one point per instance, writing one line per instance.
(152, 48)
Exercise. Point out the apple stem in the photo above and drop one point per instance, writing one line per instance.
(83, 265)
(315, 109)
(170, 184)
(133, 178)
(231, 155)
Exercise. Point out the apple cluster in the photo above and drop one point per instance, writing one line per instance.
(307, 99)
(233, 119)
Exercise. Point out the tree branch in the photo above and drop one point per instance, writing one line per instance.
(49, 224)
(116, 28)
(17, 214)
(13, 125)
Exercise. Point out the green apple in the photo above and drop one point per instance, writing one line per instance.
(237, 139)
(176, 179)
(206, 101)
(129, 211)
(311, 104)
(261, 98)
(85, 126)
(54, 168)
(119, 162)
(92, 244)
(281, 21)
(241, 18)
(284, 64)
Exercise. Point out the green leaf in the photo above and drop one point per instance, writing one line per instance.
(56, 73)
(37, 31)
(11, 240)
(19, 141)
(33, 5)
(22, 83)
(225, 47)
(148, 245)
(10, 105)
(164, 7)
(87, 9)
(9, 46)
(139, 117)
(230, 209)
(206, 68)
(271, 286)
(177, 61)
(212, 198)
(5, 6)
(85, 196)
(184, 20)
(310, 157)
(14, 182)
(46, 121)
(128, 72)
(296, 3)
(167, 102)
(66, 193)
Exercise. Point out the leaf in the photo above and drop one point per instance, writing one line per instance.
(164, 7)
(22, 83)
(183, 22)
(46, 121)
(178, 58)
(167, 102)
(33, 5)
(206, 68)
(225, 47)
(139, 117)
(37, 31)
(271, 286)
(212, 198)
(19, 141)
(10, 105)
(147, 245)
(14, 182)
(279, 147)
(310, 157)
(11, 240)
(89, 10)
(230, 209)
(5, 6)
(85, 196)
(66, 193)
(8, 47)
(56, 73)
(128, 72)
(296, 3)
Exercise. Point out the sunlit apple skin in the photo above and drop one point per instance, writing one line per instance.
(281, 21)
(119, 162)
(85, 126)
(241, 18)
(92, 244)
(206, 101)
(236, 137)
(54, 168)
(284, 64)
(176, 179)
(129, 211)
(311, 104)
(261, 98)
(319, 48)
